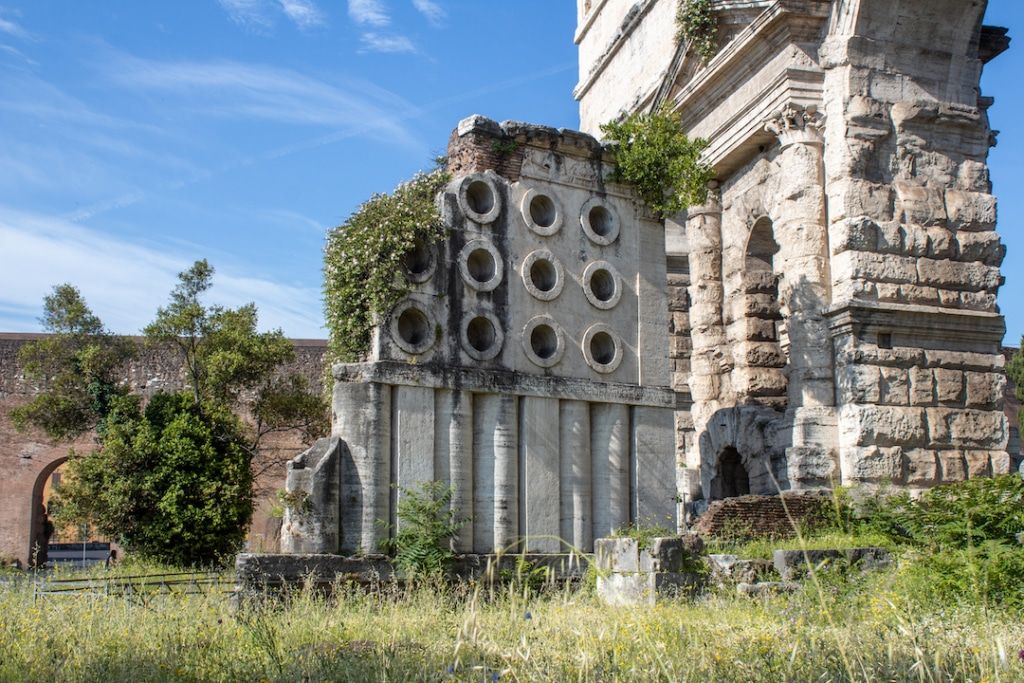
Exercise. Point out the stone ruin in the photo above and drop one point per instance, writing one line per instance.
(527, 369)
(570, 364)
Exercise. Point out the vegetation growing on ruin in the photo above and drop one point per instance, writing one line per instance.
(655, 157)
(427, 525)
(697, 26)
(171, 480)
(1015, 371)
(363, 260)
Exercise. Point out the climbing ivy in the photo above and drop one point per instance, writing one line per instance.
(363, 259)
(659, 161)
(698, 26)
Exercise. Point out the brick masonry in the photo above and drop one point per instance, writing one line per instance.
(28, 458)
(760, 516)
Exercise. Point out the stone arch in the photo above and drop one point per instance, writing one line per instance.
(38, 532)
(762, 348)
(747, 437)
(731, 477)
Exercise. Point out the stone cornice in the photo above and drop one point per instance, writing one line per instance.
(924, 322)
(503, 381)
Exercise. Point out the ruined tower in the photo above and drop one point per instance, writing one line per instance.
(834, 303)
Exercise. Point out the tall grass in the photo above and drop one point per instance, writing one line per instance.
(863, 628)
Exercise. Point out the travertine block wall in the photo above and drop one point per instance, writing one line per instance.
(842, 322)
(529, 366)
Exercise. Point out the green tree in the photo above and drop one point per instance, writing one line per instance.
(172, 480)
(76, 368)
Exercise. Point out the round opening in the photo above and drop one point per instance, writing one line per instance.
(602, 348)
(544, 341)
(419, 260)
(479, 197)
(413, 326)
(542, 211)
(543, 275)
(481, 266)
(480, 333)
(602, 284)
(601, 221)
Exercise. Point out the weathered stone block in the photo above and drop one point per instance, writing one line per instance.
(763, 354)
(921, 467)
(617, 554)
(921, 204)
(978, 428)
(854, 234)
(795, 564)
(874, 464)
(958, 275)
(859, 383)
(872, 425)
(874, 267)
(922, 386)
(938, 426)
(985, 389)
(810, 464)
(941, 243)
(952, 466)
(949, 386)
(671, 554)
(1001, 462)
(895, 386)
(982, 246)
(765, 588)
(979, 464)
(970, 210)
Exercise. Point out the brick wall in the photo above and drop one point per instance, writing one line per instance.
(28, 458)
(758, 516)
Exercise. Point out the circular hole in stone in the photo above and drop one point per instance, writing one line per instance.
(479, 197)
(419, 260)
(602, 284)
(543, 275)
(542, 211)
(413, 327)
(480, 333)
(601, 221)
(544, 341)
(602, 348)
(481, 266)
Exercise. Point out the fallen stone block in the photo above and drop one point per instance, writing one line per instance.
(765, 588)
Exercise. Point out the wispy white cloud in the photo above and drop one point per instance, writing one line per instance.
(15, 52)
(303, 13)
(125, 281)
(251, 91)
(250, 14)
(369, 12)
(13, 28)
(376, 42)
(434, 13)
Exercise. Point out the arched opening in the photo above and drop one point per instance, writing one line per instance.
(41, 526)
(761, 247)
(731, 477)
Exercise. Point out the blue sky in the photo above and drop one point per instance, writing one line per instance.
(136, 137)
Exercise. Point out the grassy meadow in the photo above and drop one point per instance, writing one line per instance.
(867, 627)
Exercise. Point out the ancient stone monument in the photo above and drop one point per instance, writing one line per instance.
(569, 364)
(527, 368)
(834, 303)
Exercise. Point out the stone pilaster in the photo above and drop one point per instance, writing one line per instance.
(804, 294)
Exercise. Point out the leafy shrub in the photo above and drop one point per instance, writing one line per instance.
(427, 525)
(363, 260)
(952, 515)
(171, 483)
(655, 157)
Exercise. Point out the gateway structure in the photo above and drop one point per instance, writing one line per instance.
(834, 303)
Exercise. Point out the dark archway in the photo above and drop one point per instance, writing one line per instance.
(731, 477)
(39, 537)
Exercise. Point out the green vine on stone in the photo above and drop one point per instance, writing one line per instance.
(698, 26)
(654, 156)
(364, 258)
